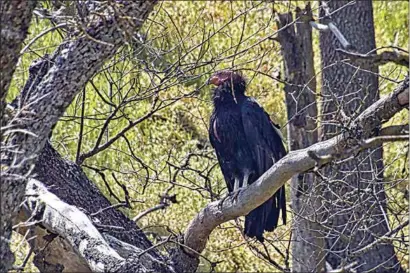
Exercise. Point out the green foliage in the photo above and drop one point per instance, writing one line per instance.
(183, 33)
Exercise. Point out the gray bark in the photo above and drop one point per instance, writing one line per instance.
(300, 90)
(347, 91)
(27, 130)
(15, 17)
(67, 185)
(67, 180)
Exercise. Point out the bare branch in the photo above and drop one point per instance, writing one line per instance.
(331, 26)
(385, 57)
(395, 130)
(41, 35)
(76, 62)
(148, 211)
(385, 237)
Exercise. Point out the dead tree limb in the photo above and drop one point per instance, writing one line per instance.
(74, 228)
(399, 58)
(301, 106)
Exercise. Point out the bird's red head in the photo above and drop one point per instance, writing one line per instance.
(221, 77)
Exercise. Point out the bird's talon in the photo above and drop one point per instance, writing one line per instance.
(235, 195)
(221, 202)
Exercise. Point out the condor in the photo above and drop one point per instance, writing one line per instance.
(247, 144)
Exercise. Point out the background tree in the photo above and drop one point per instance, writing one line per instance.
(137, 130)
(347, 89)
(300, 89)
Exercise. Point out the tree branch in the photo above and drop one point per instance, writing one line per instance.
(66, 180)
(330, 26)
(76, 62)
(385, 57)
(395, 130)
(381, 239)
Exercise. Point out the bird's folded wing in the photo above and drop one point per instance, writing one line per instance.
(262, 135)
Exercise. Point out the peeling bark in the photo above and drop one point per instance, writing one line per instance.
(67, 180)
(67, 225)
(81, 194)
(108, 240)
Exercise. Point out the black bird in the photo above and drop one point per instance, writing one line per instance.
(247, 144)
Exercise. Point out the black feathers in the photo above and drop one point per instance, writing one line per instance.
(247, 144)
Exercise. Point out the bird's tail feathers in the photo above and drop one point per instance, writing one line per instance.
(266, 216)
(278, 206)
(254, 223)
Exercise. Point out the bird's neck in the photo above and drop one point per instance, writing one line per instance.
(226, 97)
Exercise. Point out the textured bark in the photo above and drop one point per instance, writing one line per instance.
(67, 180)
(296, 47)
(73, 65)
(15, 17)
(347, 88)
(319, 154)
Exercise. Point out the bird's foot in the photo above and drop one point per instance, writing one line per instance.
(234, 195)
(221, 202)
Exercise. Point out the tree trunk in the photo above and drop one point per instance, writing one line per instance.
(300, 89)
(62, 200)
(67, 180)
(355, 199)
(15, 17)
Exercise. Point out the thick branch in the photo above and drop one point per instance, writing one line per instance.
(69, 223)
(73, 67)
(295, 162)
(66, 180)
(395, 130)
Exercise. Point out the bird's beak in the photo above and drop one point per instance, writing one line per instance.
(213, 80)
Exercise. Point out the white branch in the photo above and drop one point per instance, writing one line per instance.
(72, 225)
